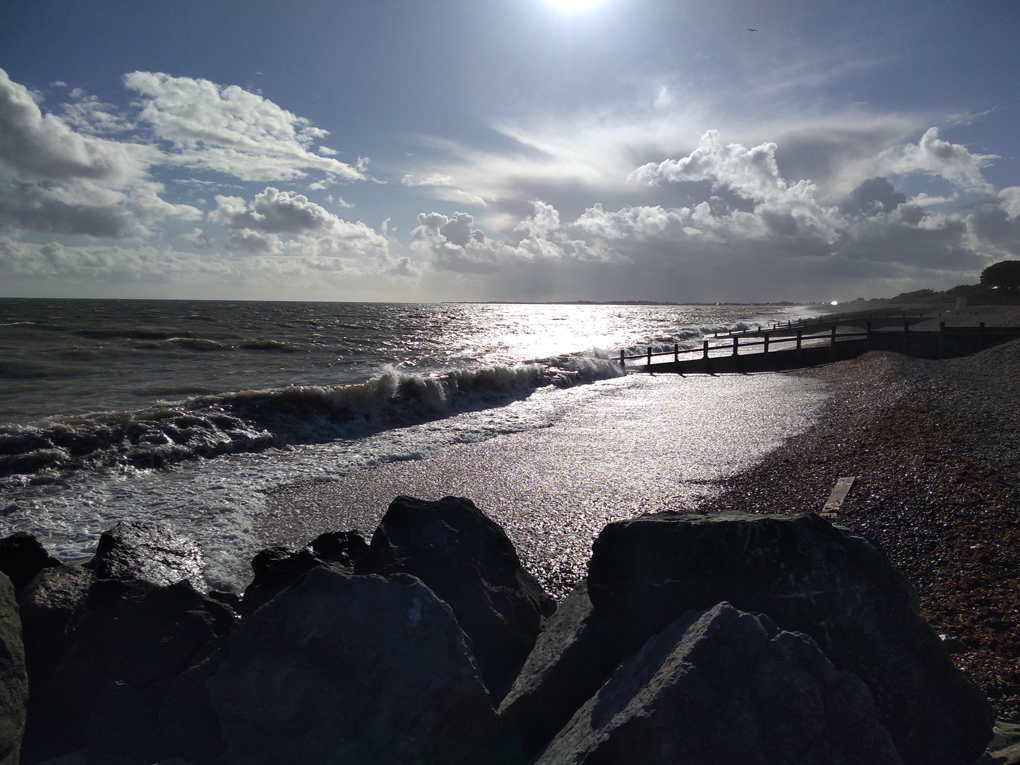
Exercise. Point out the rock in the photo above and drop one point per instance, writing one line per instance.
(127, 631)
(727, 688)
(467, 561)
(807, 576)
(275, 569)
(122, 723)
(13, 677)
(278, 567)
(49, 605)
(151, 552)
(345, 548)
(187, 718)
(571, 660)
(343, 668)
(22, 556)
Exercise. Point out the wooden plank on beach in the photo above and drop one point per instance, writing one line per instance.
(838, 495)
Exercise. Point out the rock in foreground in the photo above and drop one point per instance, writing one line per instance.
(355, 669)
(807, 576)
(727, 688)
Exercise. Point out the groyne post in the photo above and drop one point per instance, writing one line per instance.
(736, 340)
(705, 350)
(766, 342)
(623, 361)
(649, 355)
(832, 343)
(868, 330)
(800, 335)
(676, 353)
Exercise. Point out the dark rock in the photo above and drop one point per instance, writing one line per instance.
(571, 660)
(343, 668)
(49, 606)
(807, 576)
(187, 718)
(122, 723)
(22, 556)
(727, 688)
(466, 560)
(275, 569)
(151, 552)
(278, 567)
(345, 548)
(13, 676)
(127, 631)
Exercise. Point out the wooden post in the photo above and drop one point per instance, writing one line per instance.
(832, 343)
(649, 355)
(736, 340)
(623, 362)
(676, 353)
(766, 342)
(800, 333)
(705, 350)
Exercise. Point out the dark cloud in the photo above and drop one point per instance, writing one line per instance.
(872, 197)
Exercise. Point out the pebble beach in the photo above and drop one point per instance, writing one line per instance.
(934, 447)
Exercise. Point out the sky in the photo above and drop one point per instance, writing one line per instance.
(524, 150)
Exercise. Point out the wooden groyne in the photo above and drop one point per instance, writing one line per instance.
(819, 341)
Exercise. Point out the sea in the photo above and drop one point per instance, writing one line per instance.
(198, 413)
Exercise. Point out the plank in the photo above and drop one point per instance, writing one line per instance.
(839, 493)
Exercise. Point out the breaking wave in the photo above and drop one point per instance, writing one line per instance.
(254, 420)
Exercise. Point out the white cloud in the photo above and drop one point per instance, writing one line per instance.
(231, 130)
(936, 157)
(199, 238)
(37, 147)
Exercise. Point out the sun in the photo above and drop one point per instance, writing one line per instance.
(574, 5)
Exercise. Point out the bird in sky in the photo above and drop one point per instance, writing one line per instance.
(752, 30)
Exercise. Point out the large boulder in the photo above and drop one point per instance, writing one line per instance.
(727, 688)
(807, 576)
(151, 552)
(49, 605)
(13, 677)
(343, 668)
(468, 561)
(571, 660)
(22, 556)
(128, 643)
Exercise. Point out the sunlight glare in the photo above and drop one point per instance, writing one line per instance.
(570, 6)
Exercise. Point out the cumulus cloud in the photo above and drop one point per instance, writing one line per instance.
(933, 156)
(231, 130)
(198, 238)
(37, 147)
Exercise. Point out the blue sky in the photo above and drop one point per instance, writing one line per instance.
(507, 149)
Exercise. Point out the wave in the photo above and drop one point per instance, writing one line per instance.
(253, 420)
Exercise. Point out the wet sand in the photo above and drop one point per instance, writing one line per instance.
(637, 445)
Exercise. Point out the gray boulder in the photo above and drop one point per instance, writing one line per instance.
(727, 688)
(343, 668)
(807, 576)
(571, 660)
(468, 561)
(150, 552)
(13, 677)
